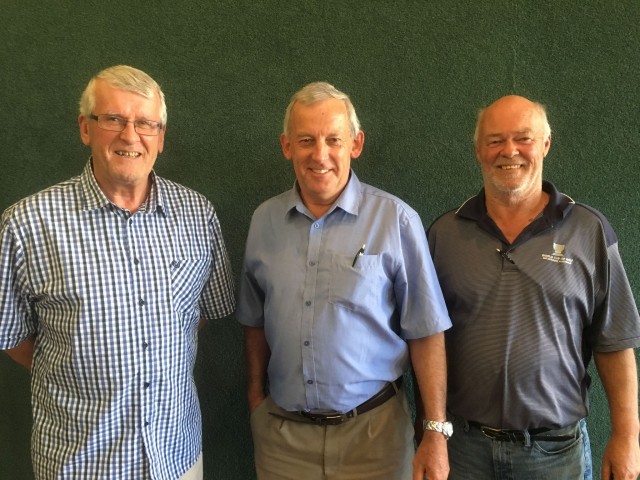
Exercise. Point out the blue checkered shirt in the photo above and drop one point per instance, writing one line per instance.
(114, 301)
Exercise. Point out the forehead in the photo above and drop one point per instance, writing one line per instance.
(109, 99)
(511, 118)
(321, 115)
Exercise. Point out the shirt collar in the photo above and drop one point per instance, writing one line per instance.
(559, 206)
(94, 197)
(349, 199)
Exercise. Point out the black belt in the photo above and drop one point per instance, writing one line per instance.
(337, 418)
(518, 435)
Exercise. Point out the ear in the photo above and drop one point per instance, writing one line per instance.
(547, 145)
(161, 139)
(286, 146)
(358, 143)
(83, 123)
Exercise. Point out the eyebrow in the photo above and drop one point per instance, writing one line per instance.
(519, 132)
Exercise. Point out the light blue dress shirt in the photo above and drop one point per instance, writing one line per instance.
(115, 300)
(337, 330)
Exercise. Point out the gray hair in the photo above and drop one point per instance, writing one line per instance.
(127, 78)
(316, 92)
(540, 108)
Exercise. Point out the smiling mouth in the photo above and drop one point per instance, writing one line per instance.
(122, 153)
(319, 171)
(509, 167)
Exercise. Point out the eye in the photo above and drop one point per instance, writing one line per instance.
(334, 141)
(147, 124)
(494, 143)
(305, 142)
(113, 119)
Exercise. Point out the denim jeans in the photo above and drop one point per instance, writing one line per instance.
(474, 456)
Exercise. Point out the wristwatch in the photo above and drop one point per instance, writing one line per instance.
(445, 428)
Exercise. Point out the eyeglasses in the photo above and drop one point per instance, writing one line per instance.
(116, 123)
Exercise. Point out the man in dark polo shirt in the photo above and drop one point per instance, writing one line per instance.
(535, 287)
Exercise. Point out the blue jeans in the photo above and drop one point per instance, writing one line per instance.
(474, 456)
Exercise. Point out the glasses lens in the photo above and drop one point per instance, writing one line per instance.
(147, 127)
(111, 122)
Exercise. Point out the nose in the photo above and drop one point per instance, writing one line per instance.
(129, 133)
(320, 151)
(509, 148)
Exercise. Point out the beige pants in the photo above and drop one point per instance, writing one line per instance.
(195, 472)
(377, 445)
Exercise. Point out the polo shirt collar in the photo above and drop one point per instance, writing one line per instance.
(558, 207)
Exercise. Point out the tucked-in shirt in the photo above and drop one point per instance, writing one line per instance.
(114, 301)
(525, 322)
(336, 321)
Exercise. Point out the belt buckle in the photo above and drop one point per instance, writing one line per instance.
(322, 419)
(490, 432)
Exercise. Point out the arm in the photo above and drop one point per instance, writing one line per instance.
(430, 369)
(23, 353)
(257, 353)
(619, 377)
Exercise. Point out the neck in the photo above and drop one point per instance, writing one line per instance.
(512, 213)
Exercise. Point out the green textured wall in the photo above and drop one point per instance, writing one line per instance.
(417, 72)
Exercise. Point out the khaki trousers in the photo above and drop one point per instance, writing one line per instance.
(377, 445)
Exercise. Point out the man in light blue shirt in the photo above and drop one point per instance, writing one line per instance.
(338, 293)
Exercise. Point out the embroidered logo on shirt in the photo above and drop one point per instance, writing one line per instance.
(558, 255)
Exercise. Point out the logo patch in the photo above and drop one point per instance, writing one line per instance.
(558, 255)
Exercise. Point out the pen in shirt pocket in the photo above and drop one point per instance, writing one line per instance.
(359, 253)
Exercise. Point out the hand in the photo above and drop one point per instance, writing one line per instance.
(621, 460)
(431, 460)
(255, 401)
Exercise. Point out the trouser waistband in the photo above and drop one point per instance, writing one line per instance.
(337, 418)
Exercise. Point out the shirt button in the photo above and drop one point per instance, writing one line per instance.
(136, 261)
(310, 382)
(307, 343)
(141, 302)
(308, 303)
(145, 345)
(146, 384)
(312, 263)
(315, 225)
(146, 424)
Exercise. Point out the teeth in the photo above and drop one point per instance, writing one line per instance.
(509, 167)
(128, 154)
(319, 171)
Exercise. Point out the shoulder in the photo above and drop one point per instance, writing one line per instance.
(585, 215)
(61, 195)
(387, 201)
(180, 196)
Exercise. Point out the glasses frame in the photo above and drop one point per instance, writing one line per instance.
(135, 127)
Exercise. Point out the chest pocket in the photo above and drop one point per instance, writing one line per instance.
(360, 288)
(188, 277)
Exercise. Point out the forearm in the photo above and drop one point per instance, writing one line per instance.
(618, 373)
(23, 353)
(430, 369)
(257, 353)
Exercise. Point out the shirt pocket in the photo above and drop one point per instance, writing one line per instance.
(188, 277)
(358, 287)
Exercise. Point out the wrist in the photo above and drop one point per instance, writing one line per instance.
(445, 428)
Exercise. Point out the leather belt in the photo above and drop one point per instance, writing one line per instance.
(338, 418)
(519, 435)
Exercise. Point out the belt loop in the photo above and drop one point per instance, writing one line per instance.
(527, 438)
(395, 384)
